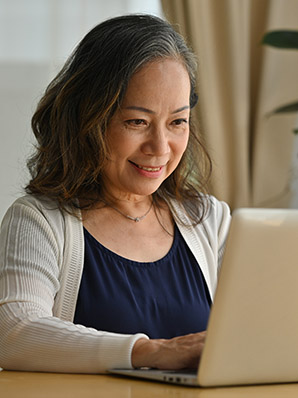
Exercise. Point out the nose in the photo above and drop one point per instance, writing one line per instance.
(157, 143)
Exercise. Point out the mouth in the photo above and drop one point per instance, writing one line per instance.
(147, 168)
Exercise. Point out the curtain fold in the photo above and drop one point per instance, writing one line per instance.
(239, 83)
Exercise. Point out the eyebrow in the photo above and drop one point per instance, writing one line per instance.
(140, 108)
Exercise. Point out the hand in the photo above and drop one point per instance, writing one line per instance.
(176, 353)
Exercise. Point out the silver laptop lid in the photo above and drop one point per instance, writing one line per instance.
(253, 328)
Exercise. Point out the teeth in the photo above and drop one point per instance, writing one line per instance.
(149, 168)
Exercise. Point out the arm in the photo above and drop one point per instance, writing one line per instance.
(31, 338)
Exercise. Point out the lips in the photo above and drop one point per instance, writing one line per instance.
(147, 168)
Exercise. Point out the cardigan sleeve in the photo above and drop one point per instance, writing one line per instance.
(31, 337)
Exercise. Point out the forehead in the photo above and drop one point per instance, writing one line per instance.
(162, 80)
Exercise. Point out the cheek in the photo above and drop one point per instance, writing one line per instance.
(121, 144)
(119, 150)
(181, 146)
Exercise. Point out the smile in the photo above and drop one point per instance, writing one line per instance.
(147, 168)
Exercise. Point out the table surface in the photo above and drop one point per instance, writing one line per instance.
(48, 385)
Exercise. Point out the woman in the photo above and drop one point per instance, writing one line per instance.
(111, 258)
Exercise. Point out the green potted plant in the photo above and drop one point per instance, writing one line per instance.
(285, 39)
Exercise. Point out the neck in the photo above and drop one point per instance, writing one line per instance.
(132, 209)
(127, 201)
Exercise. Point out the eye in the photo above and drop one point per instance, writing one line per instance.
(179, 122)
(135, 122)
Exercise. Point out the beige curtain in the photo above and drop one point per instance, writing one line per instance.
(239, 83)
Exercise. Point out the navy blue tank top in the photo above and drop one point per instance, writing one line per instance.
(163, 299)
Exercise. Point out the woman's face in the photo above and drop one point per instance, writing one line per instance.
(148, 135)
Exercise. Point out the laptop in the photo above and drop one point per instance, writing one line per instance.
(252, 333)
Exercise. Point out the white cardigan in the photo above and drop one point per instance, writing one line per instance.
(41, 264)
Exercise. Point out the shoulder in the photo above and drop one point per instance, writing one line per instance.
(216, 211)
(216, 222)
(45, 228)
(43, 206)
(36, 203)
(219, 212)
(34, 208)
(38, 214)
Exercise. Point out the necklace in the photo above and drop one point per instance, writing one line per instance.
(135, 219)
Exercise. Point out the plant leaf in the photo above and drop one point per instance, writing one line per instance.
(293, 107)
(295, 131)
(281, 39)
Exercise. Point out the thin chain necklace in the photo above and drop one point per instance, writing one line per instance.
(135, 219)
